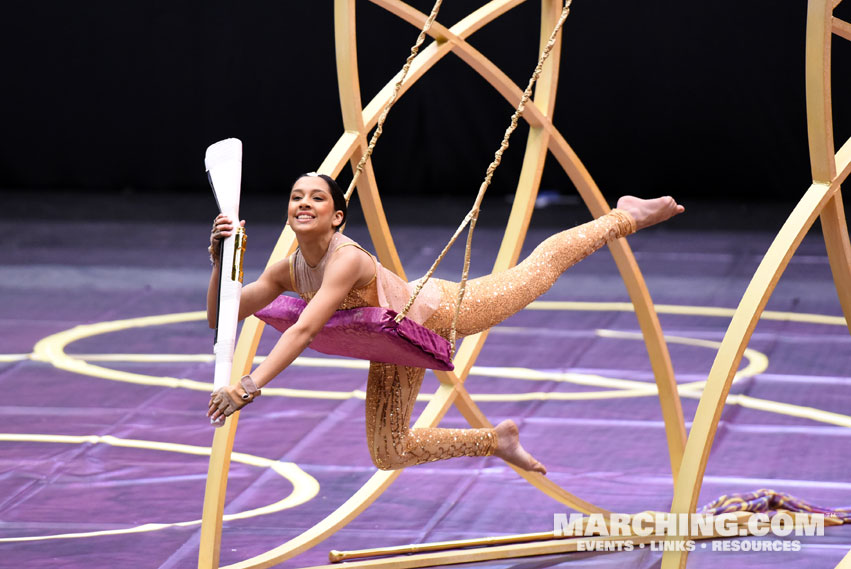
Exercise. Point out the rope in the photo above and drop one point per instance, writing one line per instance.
(402, 74)
(472, 216)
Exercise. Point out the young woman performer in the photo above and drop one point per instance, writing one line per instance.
(331, 272)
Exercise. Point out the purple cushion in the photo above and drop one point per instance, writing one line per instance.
(369, 333)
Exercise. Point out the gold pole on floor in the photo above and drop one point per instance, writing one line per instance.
(544, 543)
(336, 556)
(582, 528)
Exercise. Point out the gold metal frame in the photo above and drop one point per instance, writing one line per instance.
(823, 199)
(543, 137)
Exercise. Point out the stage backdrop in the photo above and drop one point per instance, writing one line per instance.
(117, 96)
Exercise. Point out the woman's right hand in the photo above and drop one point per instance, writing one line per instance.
(222, 229)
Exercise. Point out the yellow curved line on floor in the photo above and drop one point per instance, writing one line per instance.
(520, 373)
(4, 358)
(51, 350)
(626, 388)
(757, 361)
(780, 408)
(685, 310)
(305, 486)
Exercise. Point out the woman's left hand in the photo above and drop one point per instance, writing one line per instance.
(227, 400)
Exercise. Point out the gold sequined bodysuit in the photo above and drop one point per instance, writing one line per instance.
(392, 389)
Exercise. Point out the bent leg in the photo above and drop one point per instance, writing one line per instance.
(490, 299)
(390, 396)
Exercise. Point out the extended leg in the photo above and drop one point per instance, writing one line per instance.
(492, 298)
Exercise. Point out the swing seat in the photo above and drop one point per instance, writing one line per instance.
(369, 333)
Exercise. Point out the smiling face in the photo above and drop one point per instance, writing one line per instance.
(311, 206)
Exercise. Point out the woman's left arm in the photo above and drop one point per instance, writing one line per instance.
(341, 275)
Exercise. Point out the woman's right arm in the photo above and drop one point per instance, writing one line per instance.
(274, 280)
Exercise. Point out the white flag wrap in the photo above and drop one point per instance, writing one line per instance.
(224, 170)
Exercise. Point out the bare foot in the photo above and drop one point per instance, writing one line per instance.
(510, 450)
(650, 212)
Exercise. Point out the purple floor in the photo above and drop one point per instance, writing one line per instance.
(609, 450)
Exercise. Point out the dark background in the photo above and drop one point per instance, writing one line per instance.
(702, 100)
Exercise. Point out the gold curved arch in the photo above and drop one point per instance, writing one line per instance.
(823, 199)
(543, 137)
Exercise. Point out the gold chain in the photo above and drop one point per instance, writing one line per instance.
(404, 73)
(472, 216)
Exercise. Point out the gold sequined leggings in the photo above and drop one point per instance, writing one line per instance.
(392, 389)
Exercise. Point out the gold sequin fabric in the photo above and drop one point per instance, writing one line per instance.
(392, 389)
(490, 299)
(356, 298)
(390, 396)
(307, 280)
